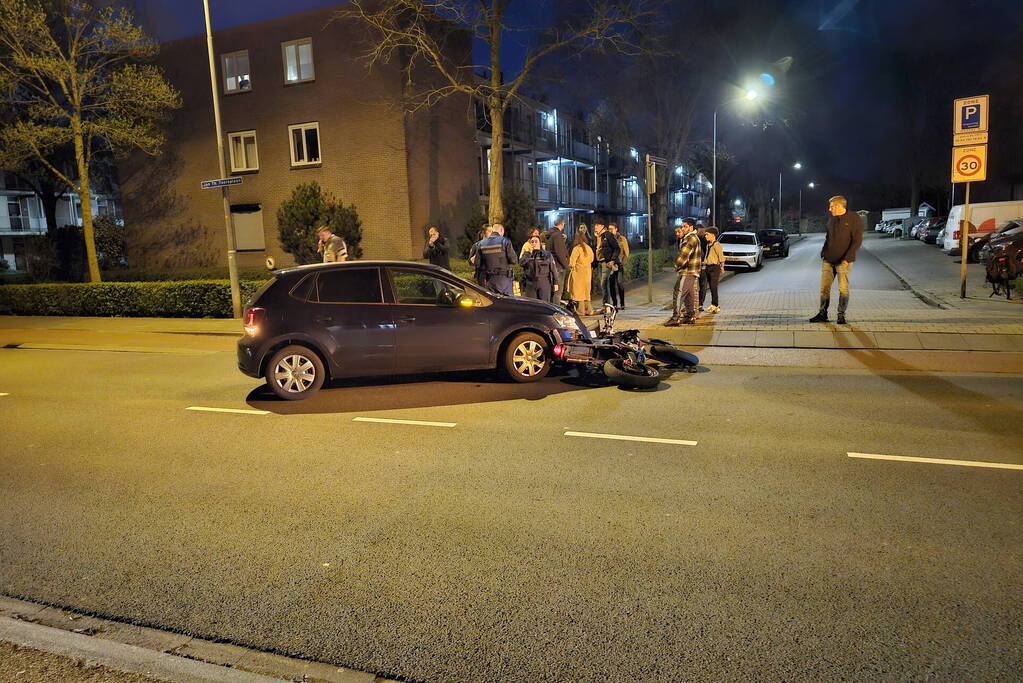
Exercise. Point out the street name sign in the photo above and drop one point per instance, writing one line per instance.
(220, 182)
(969, 164)
(970, 115)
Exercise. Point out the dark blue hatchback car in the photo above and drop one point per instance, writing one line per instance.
(364, 318)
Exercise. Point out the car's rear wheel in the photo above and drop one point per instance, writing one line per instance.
(527, 357)
(294, 373)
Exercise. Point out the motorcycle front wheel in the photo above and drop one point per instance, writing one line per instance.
(632, 375)
(670, 355)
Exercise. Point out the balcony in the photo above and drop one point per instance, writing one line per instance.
(22, 225)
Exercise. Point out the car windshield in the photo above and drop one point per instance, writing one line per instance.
(737, 238)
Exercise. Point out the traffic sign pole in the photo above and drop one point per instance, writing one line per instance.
(232, 266)
(965, 249)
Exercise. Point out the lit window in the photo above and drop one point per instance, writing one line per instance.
(298, 60)
(236, 72)
(305, 144)
(634, 153)
(244, 156)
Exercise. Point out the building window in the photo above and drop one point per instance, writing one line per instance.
(298, 60)
(305, 144)
(244, 156)
(236, 72)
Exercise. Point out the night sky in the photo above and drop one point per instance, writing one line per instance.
(845, 103)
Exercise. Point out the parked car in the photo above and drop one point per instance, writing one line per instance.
(369, 318)
(933, 231)
(1006, 233)
(985, 217)
(894, 227)
(775, 242)
(742, 249)
(978, 245)
(880, 226)
(1008, 245)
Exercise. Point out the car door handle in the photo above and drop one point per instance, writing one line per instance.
(324, 319)
(407, 319)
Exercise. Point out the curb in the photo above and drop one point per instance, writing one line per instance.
(926, 297)
(161, 654)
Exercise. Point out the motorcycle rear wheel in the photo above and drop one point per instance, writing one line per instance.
(670, 355)
(632, 375)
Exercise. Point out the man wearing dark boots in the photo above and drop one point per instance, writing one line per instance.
(845, 234)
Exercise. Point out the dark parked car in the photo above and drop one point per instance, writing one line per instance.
(1007, 242)
(775, 241)
(981, 247)
(934, 228)
(364, 318)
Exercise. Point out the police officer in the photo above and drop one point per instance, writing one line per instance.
(496, 257)
(540, 272)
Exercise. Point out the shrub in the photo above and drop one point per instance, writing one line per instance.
(110, 241)
(306, 211)
(473, 230)
(185, 299)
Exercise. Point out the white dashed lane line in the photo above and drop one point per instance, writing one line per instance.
(228, 410)
(623, 437)
(420, 423)
(4, 394)
(937, 461)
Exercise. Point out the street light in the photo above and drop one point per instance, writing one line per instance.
(751, 94)
(799, 220)
(797, 165)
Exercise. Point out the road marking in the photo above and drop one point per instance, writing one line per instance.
(4, 394)
(421, 423)
(937, 461)
(228, 410)
(622, 437)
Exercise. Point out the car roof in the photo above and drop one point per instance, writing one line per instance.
(311, 267)
(738, 232)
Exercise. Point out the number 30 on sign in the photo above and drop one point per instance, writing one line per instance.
(969, 164)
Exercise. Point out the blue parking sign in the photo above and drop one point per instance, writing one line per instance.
(971, 115)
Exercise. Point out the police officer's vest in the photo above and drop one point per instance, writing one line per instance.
(495, 261)
(537, 266)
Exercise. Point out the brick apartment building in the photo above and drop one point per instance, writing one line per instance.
(297, 105)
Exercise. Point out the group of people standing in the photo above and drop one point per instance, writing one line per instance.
(552, 270)
(698, 267)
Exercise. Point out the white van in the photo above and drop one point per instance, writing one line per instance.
(984, 218)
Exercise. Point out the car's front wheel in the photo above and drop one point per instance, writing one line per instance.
(295, 372)
(759, 264)
(527, 357)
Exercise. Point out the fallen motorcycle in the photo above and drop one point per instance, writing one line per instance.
(621, 356)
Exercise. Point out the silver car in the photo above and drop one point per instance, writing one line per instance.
(742, 249)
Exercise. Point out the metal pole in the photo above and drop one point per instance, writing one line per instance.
(965, 248)
(799, 218)
(714, 182)
(649, 237)
(232, 266)
(779, 199)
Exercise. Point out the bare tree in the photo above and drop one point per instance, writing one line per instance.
(423, 32)
(73, 73)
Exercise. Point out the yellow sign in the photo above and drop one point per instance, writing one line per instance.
(969, 164)
(970, 115)
(963, 139)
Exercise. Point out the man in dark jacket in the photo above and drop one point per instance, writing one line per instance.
(845, 234)
(436, 249)
(609, 256)
(558, 245)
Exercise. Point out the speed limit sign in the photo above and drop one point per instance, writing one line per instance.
(969, 164)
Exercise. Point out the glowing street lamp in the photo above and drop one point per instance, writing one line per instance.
(752, 94)
(797, 165)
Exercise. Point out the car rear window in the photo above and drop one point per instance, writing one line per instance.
(349, 286)
(735, 238)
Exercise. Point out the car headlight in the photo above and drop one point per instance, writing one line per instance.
(566, 321)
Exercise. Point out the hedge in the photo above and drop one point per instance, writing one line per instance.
(186, 299)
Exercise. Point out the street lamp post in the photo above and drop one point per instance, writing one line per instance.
(232, 266)
(751, 94)
(796, 166)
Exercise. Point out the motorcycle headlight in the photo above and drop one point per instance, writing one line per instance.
(566, 321)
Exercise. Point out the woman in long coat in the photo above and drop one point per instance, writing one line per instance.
(580, 265)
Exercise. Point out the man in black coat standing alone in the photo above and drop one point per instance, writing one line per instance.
(557, 243)
(845, 234)
(436, 249)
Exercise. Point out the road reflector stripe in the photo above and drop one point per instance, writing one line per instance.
(228, 410)
(4, 394)
(937, 461)
(622, 437)
(421, 423)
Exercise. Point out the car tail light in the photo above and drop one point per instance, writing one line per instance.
(955, 235)
(253, 318)
(559, 351)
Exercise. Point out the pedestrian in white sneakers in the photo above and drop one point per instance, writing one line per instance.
(713, 266)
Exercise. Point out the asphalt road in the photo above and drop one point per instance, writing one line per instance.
(500, 548)
(801, 269)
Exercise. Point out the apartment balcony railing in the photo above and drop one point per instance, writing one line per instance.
(22, 224)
